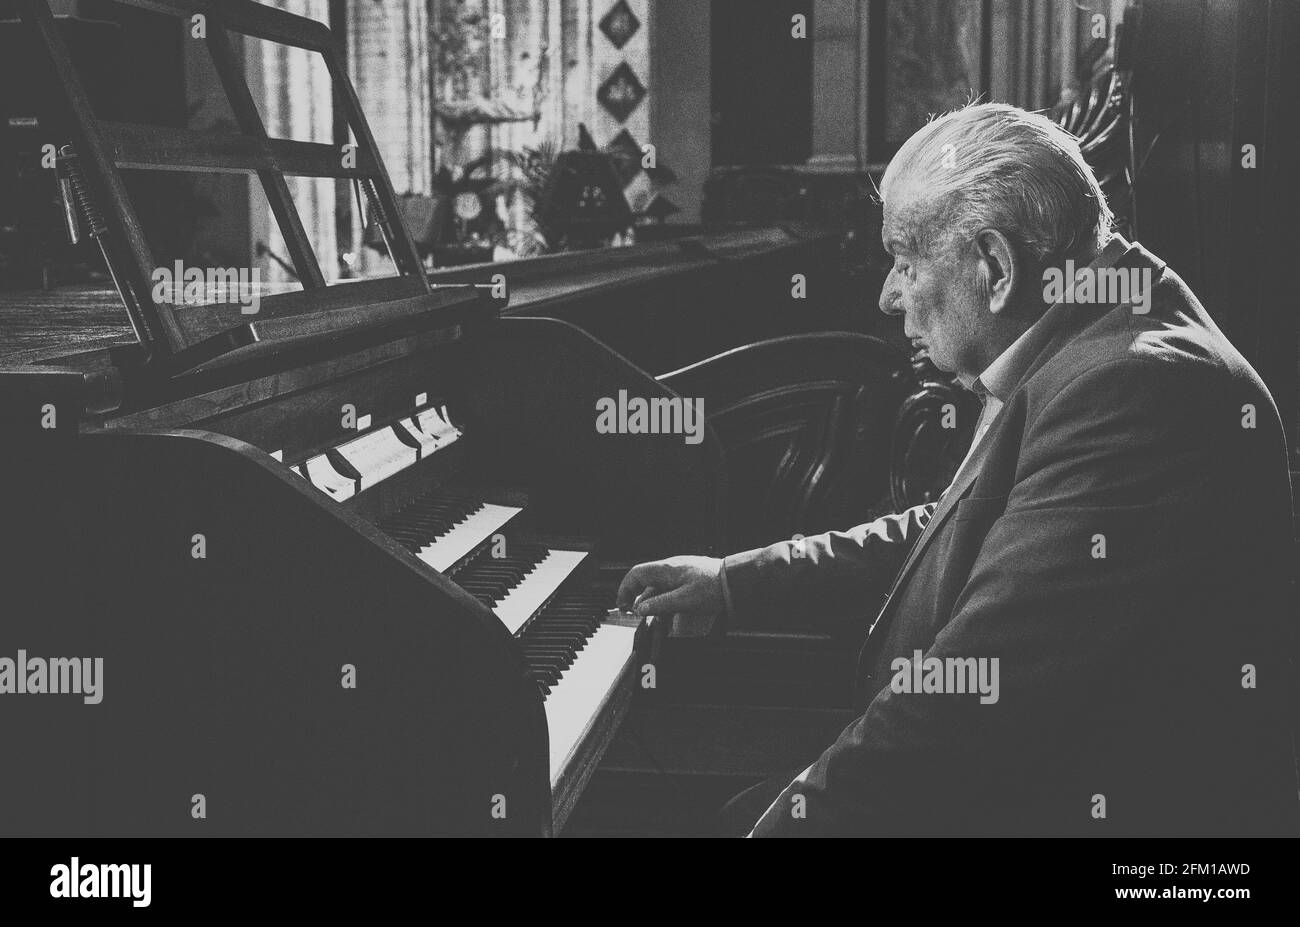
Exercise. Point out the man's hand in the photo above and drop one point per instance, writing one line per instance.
(686, 589)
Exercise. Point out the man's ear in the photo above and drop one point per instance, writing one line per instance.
(999, 268)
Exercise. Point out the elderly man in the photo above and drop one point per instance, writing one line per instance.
(1088, 633)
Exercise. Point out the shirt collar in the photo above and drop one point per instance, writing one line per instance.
(1001, 376)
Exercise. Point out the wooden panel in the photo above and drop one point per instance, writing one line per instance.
(806, 421)
(200, 399)
(670, 770)
(281, 415)
(726, 289)
(67, 320)
(258, 722)
(725, 740)
(530, 388)
(144, 147)
(341, 305)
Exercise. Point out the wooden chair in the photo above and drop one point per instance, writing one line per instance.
(806, 422)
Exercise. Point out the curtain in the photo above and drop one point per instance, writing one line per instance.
(1036, 46)
(511, 75)
(1027, 42)
(389, 63)
(941, 53)
(536, 64)
(291, 87)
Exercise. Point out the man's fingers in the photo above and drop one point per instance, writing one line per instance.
(630, 586)
(634, 583)
(664, 604)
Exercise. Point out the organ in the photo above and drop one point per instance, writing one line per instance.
(349, 558)
(349, 562)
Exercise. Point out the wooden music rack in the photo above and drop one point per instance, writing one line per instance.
(174, 339)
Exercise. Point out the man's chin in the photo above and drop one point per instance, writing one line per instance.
(924, 354)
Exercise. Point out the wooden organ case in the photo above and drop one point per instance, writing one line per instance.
(347, 562)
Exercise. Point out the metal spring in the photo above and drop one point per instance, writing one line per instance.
(70, 162)
(376, 204)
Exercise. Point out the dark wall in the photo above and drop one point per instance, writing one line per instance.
(762, 82)
(129, 61)
(1212, 76)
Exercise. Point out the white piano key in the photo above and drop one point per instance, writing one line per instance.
(578, 698)
(521, 602)
(378, 455)
(464, 536)
(324, 477)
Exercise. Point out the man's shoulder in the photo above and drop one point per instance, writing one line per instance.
(1175, 342)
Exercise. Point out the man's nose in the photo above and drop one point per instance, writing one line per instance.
(889, 297)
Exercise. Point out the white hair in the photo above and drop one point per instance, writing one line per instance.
(995, 166)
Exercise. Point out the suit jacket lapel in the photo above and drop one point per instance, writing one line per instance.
(961, 485)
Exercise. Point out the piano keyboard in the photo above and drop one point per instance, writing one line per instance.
(576, 657)
(518, 585)
(443, 529)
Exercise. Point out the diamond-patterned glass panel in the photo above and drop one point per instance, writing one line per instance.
(621, 93)
(620, 24)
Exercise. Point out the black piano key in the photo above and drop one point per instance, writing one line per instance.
(558, 634)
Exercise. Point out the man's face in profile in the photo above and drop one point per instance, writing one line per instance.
(934, 289)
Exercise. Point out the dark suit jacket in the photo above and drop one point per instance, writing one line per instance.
(1122, 708)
